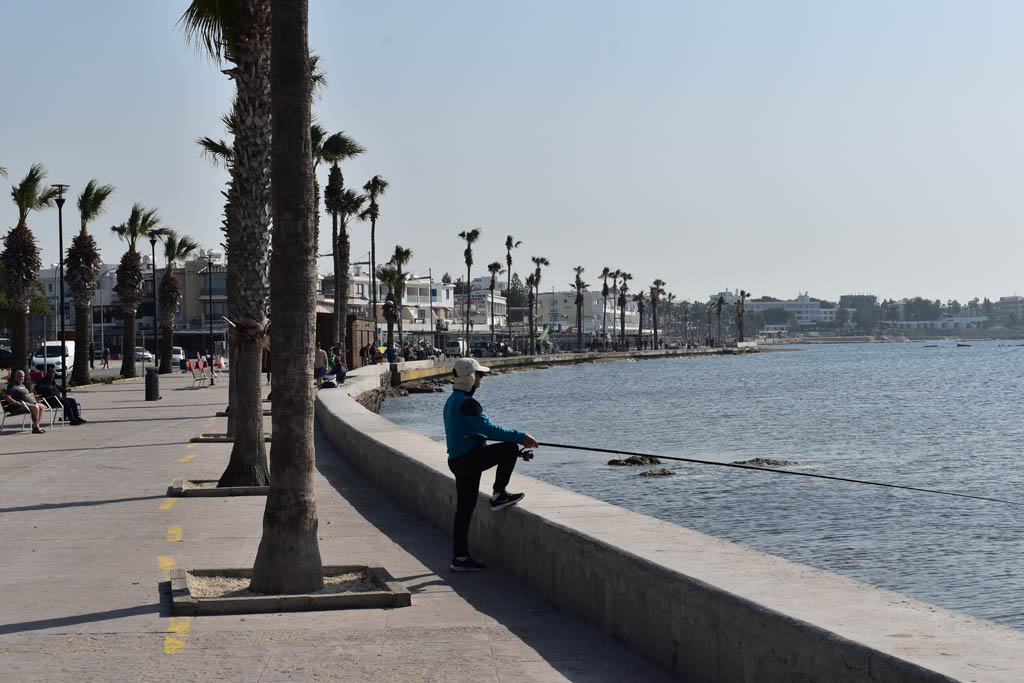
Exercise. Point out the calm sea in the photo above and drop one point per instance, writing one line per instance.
(946, 418)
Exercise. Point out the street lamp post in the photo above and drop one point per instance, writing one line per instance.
(60, 236)
(156, 323)
(209, 302)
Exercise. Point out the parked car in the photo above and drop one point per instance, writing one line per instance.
(142, 355)
(49, 354)
(177, 355)
(5, 358)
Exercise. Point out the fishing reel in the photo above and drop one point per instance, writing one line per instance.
(526, 454)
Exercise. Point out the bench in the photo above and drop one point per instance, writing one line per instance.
(199, 380)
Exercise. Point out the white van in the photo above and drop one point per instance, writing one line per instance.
(49, 354)
(455, 348)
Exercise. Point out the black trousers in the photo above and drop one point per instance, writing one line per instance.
(467, 470)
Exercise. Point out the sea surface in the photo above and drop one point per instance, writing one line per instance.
(947, 417)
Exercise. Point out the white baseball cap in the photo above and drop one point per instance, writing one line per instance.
(465, 373)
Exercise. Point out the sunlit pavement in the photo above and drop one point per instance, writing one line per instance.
(88, 537)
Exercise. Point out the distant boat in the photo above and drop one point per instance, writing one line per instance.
(963, 344)
(931, 346)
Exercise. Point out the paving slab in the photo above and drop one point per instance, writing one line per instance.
(90, 536)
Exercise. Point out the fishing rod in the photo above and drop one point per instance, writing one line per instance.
(775, 471)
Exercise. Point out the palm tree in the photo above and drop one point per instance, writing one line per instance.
(83, 265)
(349, 207)
(639, 299)
(337, 148)
(740, 310)
(374, 188)
(495, 269)
(176, 248)
(288, 559)
(615, 275)
(21, 259)
(538, 262)
(510, 244)
(657, 291)
(531, 280)
(141, 223)
(670, 317)
(391, 276)
(400, 259)
(606, 272)
(623, 290)
(718, 311)
(470, 236)
(239, 31)
(686, 321)
(580, 288)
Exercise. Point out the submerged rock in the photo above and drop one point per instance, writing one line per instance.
(661, 472)
(766, 462)
(635, 460)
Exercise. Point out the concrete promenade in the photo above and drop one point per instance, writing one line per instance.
(88, 536)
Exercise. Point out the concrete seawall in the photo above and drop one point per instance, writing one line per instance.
(702, 608)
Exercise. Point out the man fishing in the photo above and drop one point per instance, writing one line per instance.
(467, 430)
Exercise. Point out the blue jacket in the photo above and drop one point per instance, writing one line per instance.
(466, 425)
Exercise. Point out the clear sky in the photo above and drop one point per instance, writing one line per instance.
(829, 147)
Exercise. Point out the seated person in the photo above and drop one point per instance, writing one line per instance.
(23, 401)
(49, 388)
(340, 369)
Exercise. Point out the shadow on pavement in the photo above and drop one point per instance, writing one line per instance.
(578, 651)
(75, 504)
(96, 448)
(22, 626)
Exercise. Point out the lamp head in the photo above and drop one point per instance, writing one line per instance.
(60, 187)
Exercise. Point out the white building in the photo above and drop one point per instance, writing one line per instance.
(481, 303)
(558, 310)
(807, 312)
(427, 306)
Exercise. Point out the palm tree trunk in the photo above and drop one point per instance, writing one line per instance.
(398, 309)
(19, 341)
(248, 226)
(341, 285)
(288, 559)
(166, 344)
(579, 326)
(80, 374)
(532, 340)
(492, 315)
(339, 305)
(604, 321)
(128, 344)
(622, 312)
(248, 463)
(654, 322)
(508, 297)
(373, 276)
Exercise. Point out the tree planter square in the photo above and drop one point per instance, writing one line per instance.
(208, 488)
(380, 590)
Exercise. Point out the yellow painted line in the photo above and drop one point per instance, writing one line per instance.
(166, 564)
(168, 503)
(208, 424)
(174, 533)
(191, 445)
(188, 457)
(180, 627)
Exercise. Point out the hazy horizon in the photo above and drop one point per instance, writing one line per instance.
(797, 146)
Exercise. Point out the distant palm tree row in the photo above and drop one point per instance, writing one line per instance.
(21, 261)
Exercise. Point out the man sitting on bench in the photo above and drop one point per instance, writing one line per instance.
(48, 389)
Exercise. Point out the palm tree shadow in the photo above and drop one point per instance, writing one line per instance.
(161, 608)
(573, 648)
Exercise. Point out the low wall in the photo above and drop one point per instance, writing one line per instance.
(702, 608)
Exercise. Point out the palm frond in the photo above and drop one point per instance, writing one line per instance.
(317, 76)
(92, 199)
(207, 25)
(217, 152)
(339, 147)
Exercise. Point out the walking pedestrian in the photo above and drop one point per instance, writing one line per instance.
(106, 357)
(467, 430)
(319, 364)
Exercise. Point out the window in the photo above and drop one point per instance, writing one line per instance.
(433, 292)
